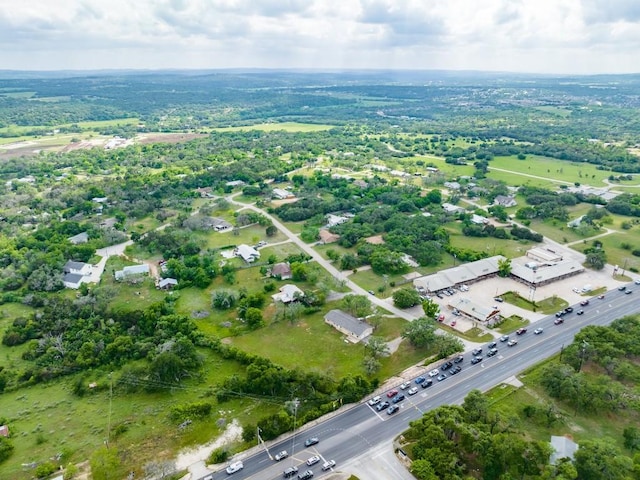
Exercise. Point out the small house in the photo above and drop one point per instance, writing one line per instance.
(327, 237)
(79, 238)
(74, 280)
(79, 268)
(355, 329)
(281, 270)
(288, 293)
(167, 283)
(453, 209)
(247, 253)
(333, 220)
(505, 201)
(479, 219)
(282, 194)
(452, 185)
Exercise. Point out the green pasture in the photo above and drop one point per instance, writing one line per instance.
(446, 168)
(273, 127)
(613, 246)
(492, 246)
(18, 130)
(556, 171)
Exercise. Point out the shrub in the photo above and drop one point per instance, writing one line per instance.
(219, 455)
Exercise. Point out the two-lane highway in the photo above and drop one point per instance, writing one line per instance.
(356, 430)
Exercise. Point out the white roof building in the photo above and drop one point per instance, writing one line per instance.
(247, 253)
(288, 293)
(132, 270)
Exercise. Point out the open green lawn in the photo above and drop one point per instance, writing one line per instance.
(550, 168)
(446, 168)
(272, 127)
(492, 246)
(18, 130)
(559, 231)
(616, 255)
(250, 235)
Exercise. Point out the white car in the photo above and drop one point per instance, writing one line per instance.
(434, 372)
(413, 391)
(637, 282)
(281, 456)
(234, 467)
(313, 460)
(405, 385)
(375, 400)
(328, 465)
(538, 331)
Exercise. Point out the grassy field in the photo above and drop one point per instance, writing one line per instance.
(444, 167)
(272, 127)
(492, 246)
(18, 130)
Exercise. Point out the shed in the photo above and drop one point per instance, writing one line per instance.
(132, 270)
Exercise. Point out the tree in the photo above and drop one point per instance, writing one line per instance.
(332, 255)
(271, 231)
(430, 308)
(371, 365)
(349, 261)
(504, 267)
(447, 345)
(596, 260)
(310, 234)
(406, 298)
(105, 464)
(224, 299)
(631, 435)
(254, 318)
(420, 332)
(476, 406)
(356, 305)
(377, 347)
(6, 448)
(601, 459)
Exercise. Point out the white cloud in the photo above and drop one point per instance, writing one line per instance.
(571, 36)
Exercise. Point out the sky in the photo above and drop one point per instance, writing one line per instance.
(531, 36)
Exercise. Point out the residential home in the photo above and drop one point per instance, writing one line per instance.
(361, 183)
(563, 447)
(247, 253)
(453, 209)
(74, 280)
(452, 185)
(288, 293)
(505, 201)
(167, 283)
(282, 194)
(355, 329)
(217, 224)
(333, 220)
(79, 268)
(327, 237)
(205, 192)
(132, 270)
(479, 219)
(108, 223)
(4, 431)
(235, 183)
(281, 270)
(79, 238)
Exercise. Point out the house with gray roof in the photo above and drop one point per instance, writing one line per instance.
(354, 328)
(505, 201)
(167, 283)
(79, 268)
(247, 253)
(563, 447)
(74, 280)
(79, 238)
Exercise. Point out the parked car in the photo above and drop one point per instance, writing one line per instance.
(512, 343)
(441, 377)
(455, 370)
(434, 372)
(538, 331)
(476, 351)
(580, 312)
(420, 380)
(637, 281)
(475, 360)
(382, 406)
(306, 475)
(412, 390)
(392, 409)
(392, 393)
(492, 352)
(328, 465)
(521, 331)
(281, 455)
(234, 467)
(405, 385)
(427, 384)
(446, 365)
(498, 299)
(375, 400)
(313, 460)
(628, 292)
(459, 359)
(290, 472)
(558, 321)
(398, 398)
(584, 303)
(311, 441)
(504, 338)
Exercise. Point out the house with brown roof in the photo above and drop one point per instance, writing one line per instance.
(281, 270)
(327, 237)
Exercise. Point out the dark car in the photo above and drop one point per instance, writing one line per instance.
(392, 409)
(427, 383)
(455, 370)
(305, 475)
(290, 472)
(568, 310)
(446, 366)
(580, 312)
(398, 398)
(559, 314)
(521, 331)
(558, 321)
(622, 288)
(382, 406)
(459, 359)
(475, 360)
(584, 303)
(628, 292)
(441, 377)
(311, 441)
(492, 352)
(477, 351)
(420, 380)
(492, 345)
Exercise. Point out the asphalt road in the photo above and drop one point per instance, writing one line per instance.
(356, 431)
